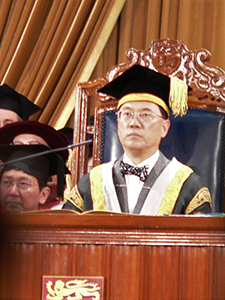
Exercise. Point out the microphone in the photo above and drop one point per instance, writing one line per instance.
(45, 152)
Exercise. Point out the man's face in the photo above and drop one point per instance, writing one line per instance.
(32, 139)
(141, 138)
(20, 191)
(28, 139)
(7, 117)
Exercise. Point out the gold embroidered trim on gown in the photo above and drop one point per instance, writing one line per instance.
(68, 189)
(97, 192)
(173, 190)
(72, 194)
(201, 197)
(76, 198)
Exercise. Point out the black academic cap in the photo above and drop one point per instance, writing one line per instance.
(68, 132)
(52, 137)
(41, 167)
(143, 84)
(12, 100)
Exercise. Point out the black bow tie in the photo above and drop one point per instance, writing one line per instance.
(128, 169)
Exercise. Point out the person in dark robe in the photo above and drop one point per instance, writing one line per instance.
(143, 181)
(14, 107)
(34, 133)
(24, 177)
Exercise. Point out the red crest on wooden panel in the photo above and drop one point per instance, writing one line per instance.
(72, 287)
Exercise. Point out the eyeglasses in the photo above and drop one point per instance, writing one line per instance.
(28, 143)
(22, 185)
(146, 117)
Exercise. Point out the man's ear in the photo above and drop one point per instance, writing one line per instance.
(165, 127)
(45, 192)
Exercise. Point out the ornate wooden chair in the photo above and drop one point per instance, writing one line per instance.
(196, 139)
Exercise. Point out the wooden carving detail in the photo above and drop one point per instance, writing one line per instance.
(173, 58)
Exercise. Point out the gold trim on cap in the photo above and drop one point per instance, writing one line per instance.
(143, 97)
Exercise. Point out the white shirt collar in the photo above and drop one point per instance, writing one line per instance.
(150, 162)
(134, 184)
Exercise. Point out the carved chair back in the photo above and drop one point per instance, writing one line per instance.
(171, 58)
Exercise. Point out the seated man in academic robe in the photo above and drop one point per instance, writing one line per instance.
(24, 177)
(36, 133)
(143, 181)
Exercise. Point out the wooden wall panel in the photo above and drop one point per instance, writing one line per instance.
(193, 264)
(91, 260)
(139, 257)
(163, 272)
(57, 259)
(219, 273)
(125, 272)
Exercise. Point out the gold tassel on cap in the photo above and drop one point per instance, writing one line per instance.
(178, 98)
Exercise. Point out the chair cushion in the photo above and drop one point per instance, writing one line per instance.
(197, 139)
